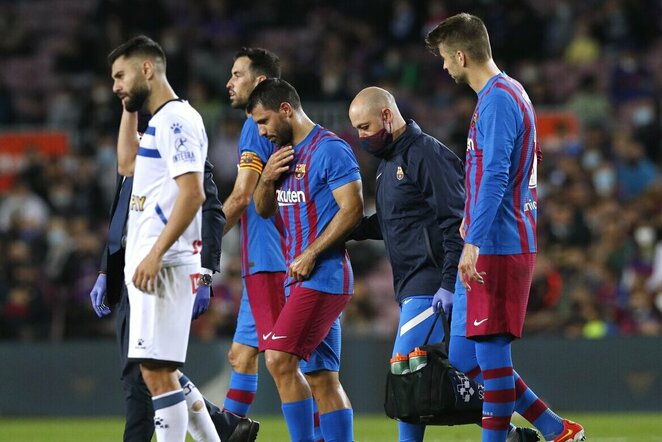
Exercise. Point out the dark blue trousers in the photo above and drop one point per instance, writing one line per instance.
(139, 411)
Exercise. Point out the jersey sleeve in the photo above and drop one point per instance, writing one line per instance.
(338, 163)
(213, 222)
(498, 125)
(183, 143)
(254, 150)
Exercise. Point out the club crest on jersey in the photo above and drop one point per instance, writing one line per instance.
(399, 173)
(176, 128)
(299, 171)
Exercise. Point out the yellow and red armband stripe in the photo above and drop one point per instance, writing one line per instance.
(250, 160)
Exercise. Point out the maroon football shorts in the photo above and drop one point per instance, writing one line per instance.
(499, 305)
(305, 321)
(266, 295)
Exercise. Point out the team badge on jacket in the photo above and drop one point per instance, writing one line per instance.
(299, 171)
(399, 174)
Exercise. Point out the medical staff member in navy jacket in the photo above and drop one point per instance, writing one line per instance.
(420, 204)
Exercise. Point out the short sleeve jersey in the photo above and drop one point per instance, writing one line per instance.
(322, 163)
(262, 246)
(500, 170)
(174, 143)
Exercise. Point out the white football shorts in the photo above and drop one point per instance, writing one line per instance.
(160, 322)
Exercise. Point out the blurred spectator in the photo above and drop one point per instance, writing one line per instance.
(23, 211)
(583, 48)
(634, 172)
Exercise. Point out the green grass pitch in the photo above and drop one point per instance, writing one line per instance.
(600, 427)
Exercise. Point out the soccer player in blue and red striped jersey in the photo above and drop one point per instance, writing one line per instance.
(262, 246)
(313, 180)
(499, 229)
(262, 260)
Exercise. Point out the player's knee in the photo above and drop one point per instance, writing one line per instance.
(322, 382)
(280, 363)
(232, 357)
(243, 360)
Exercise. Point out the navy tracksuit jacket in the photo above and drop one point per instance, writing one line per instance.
(420, 205)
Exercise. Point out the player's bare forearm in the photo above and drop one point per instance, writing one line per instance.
(127, 143)
(266, 204)
(240, 198)
(190, 197)
(350, 202)
(349, 198)
(233, 208)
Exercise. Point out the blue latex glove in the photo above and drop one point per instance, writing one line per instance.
(443, 299)
(97, 296)
(201, 303)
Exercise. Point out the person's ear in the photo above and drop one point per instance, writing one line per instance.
(286, 109)
(259, 79)
(148, 69)
(461, 58)
(387, 115)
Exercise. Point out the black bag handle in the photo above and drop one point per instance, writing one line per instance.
(447, 333)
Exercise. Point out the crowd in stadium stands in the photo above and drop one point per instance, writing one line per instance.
(599, 270)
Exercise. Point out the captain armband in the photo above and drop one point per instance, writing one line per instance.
(250, 160)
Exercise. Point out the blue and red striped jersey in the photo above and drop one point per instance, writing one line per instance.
(262, 247)
(322, 163)
(501, 170)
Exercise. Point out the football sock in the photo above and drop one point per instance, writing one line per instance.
(317, 430)
(338, 425)
(536, 411)
(527, 403)
(499, 401)
(170, 416)
(410, 432)
(200, 426)
(299, 418)
(462, 355)
(241, 394)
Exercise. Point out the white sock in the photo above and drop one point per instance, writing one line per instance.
(170, 416)
(200, 426)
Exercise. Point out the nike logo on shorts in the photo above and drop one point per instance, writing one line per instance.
(477, 323)
(274, 337)
(265, 337)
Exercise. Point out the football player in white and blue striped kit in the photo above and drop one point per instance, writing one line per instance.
(164, 225)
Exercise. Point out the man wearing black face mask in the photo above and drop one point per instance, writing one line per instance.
(420, 203)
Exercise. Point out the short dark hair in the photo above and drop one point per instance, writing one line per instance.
(263, 61)
(271, 92)
(463, 32)
(139, 45)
